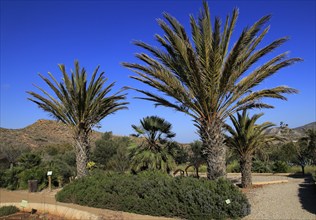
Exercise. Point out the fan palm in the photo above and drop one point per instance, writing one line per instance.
(79, 104)
(155, 151)
(207, 81)
(247, 137)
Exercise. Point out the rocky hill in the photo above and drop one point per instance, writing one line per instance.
(295, 132)
(41, 133)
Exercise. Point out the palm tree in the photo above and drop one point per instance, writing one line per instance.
(205, 80)
(247, 137)
(80, 105)
(155, 151)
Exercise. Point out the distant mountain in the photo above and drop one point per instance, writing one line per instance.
(296, 132)
(41, 133)
(306, 127)
(49, 133)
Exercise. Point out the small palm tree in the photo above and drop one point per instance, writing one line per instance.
(155, 152)
(205, 79)
(247, 137)
(80, 105)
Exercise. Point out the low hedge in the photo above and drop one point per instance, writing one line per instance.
(8, 210)
(158, 194)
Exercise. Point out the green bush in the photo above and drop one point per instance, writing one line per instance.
(8, 210)
(36, 173)
(233, 167)
(280, 167)
(261, 167)
(154, 193)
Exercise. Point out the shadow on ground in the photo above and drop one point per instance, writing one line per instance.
(307, 192)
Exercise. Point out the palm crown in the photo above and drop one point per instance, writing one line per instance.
(79, 104)
(204, 78)
(156, 150)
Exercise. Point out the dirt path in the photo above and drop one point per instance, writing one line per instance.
(293, 200)
(48, 198)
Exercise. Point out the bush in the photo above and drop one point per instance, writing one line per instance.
(261, 167)
(280, 167)
(233, 167)
(8, 210)
(154, 193)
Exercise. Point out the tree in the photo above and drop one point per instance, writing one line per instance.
(207, 81)
(154, 152)
(196, 158)
(105, 148)
(304, 149)
(246, 137)
(80, 105)
(112, 152)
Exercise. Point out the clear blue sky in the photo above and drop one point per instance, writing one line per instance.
(38, 35)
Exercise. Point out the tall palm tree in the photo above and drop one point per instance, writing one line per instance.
(80, 105)
(247, 137)
(155, 152)
(207, 81)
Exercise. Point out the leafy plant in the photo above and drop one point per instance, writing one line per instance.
(29, 160)
(280, 167)
(156, 150)
(158, 194)
(245, 138)
(8, 210)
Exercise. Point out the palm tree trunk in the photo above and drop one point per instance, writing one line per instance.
(214, 149)
(82, 148)
(245, 167)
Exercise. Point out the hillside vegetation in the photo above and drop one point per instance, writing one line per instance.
(41, 133)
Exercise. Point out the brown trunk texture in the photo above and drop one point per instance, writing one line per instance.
(82, 154)
(245, 167)
(214, 149)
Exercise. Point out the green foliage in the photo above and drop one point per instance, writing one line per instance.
(10, 178)
(280, 167)
(80, 104)
(36, 173)
(29, 160)
(61, 171)
(259, 166)
(105, 148)
(179, 153)
(196, 158)
(156, 152)
(233, 167)
(154, 193)
(8, 210)
(111, 153)
(208, 77)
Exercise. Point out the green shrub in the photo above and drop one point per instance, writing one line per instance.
(280, 167)
(154, 193)
(36, 173)
(10, 179)
(8, 210)
(261, 167)
(233, 167)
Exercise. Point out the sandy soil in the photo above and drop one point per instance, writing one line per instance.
(46, 197)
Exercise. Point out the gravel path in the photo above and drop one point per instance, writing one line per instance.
(293, 200)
